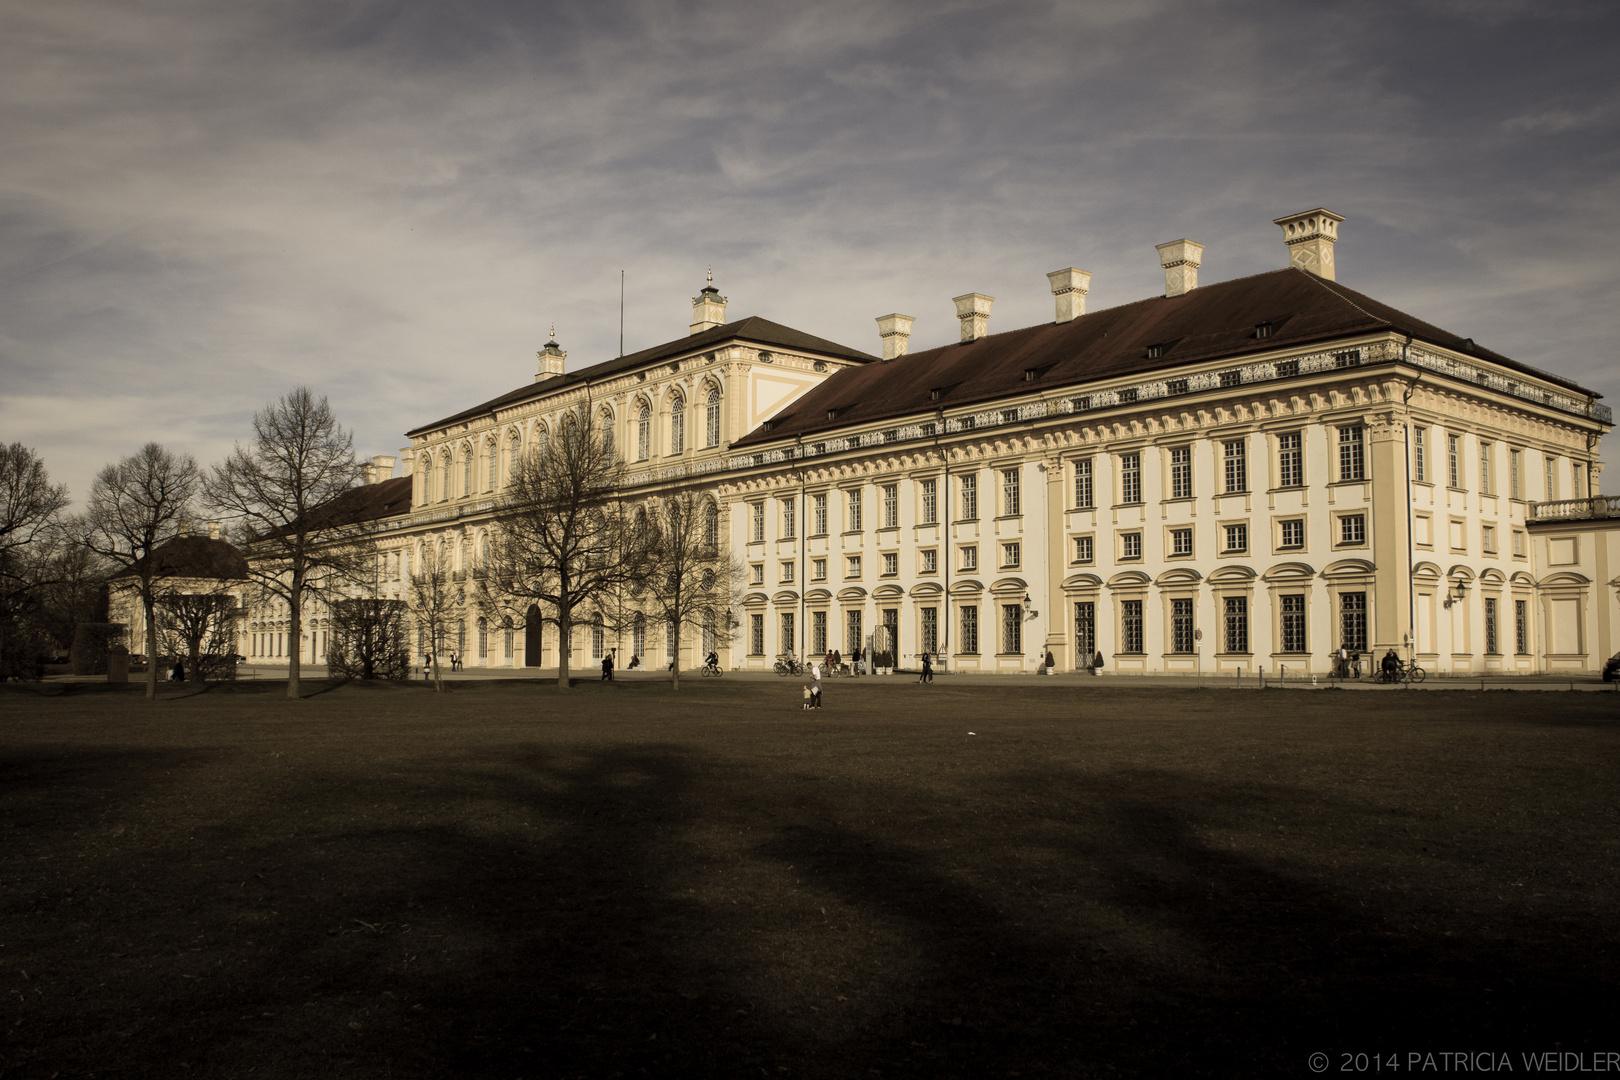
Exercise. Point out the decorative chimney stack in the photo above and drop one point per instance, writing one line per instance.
(895, 330)
(708, 307)
(378, 469)
(214, 529)
(1310, 238)
(1070, 286)
(1180, 259)
(974, 312)
(551, 357)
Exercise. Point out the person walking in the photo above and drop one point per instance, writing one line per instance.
(815, 690)
(927, 675)
(607, 666)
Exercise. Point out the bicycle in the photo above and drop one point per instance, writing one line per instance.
(711, 669)
(787, 665)
(1405, 672)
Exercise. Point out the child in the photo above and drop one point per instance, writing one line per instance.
(806, 706)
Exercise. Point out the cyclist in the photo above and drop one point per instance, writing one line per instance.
(1391, 665)
(712, 661)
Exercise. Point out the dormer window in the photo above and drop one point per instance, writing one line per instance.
(1156, 351)
(1029, 374)
(1265, 329)
(936, 393)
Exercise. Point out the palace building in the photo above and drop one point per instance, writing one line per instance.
(1236, 476)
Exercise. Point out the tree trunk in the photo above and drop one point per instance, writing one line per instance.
(151, 644)
(438, 673)
(295, 644)
(565, 635)
(675, 668)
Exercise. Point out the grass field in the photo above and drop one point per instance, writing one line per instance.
(963, 880)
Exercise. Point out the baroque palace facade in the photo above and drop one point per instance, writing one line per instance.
(1230, 477)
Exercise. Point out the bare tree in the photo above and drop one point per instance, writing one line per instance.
(31, 510)
(565, 539)
(370, 639)
(283, 492)
(689, 573)
(202, 626)
(134, 506)
(438, 604)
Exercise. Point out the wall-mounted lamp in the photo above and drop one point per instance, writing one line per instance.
(1029, 613)
(1456, 593)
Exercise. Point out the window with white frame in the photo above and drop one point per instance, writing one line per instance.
(1577, 480)
(970, 497)
(1292, 606)
(1084, 497)
(1352, 529)
(1352, 454)
(930, 561)
(1237, 623)
(1010, 555)
(1290, 460)
(891, 506)
(1084, 549)
(1130, 546)
(1515, 463)
(786, 577)
(790, 518)
(891, 563)
(1420, 462)
(1181, 541)
(677, 424)
(1487, 539)
(756, 573)
(711, 419)
(643, 434)
(818, 569)
(1235, 463)
(1237, 538)
(1181, 472)
(854, 510)
(1485, 485)
(930, 501)
(1551, 479)
(852, 566)
(970, 558)
(756, 522)
(1454, 460)
(1291, 533)
(1011, 501)
(1130, 478)
(818, 509)
(1181, 625)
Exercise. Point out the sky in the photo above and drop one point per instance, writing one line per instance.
(203, 205)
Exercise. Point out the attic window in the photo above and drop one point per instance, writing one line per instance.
(1176, 386)
(1265, 329)
(770, 425)
(1347, 359)
(833, 414)
(1234, 377)
(969, 423)
(1009, 416)
(1029, 374)
(1287, 369)
(1127, 395)
(765, 357)
(936, 393)
(1082, 404)
(930, 429)
(819, 365)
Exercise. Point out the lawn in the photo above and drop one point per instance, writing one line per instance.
(965, 880)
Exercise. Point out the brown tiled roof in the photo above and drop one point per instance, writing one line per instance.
(366, 503)
(753, 329)
(1210, 323)
(195, 557)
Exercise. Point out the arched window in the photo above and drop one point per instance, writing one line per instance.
(424, 479)
(607, 435)
(711, 420)
(448, 479)
(711, 526)
(638, 636)
(483, 638)
(677, 424)
(492, 470)
(466, 471)
(542, 438)
(644, 433)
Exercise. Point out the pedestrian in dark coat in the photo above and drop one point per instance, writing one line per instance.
(607, 667)
(927, 675)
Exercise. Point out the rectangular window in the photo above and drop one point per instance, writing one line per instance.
(1181, 626)
(852, 630)
(1010, 554)
(1231, 377)
(1577, 479)
(818, 569)
(853, 566)
(970, 497)
(1181, 542)
(1292, 533)
(930, 502)
(1487, 539)
(891, 506)
(756, 635)
(818, 633)
(1521, 626)
(891, 564)
(1490, 626)
(1085, 632)
(1353, 621)
(787, 574)
(1293, 623)
(1353, 529)
(790, 639)
(1551, 486)
(756, 517)
(1454, 460)
(1237, 538)
(1012, 628)
(1290, 460)
(818, 505)
(930, 561)
(1237, 624)
(1352, 455)
(970, 630)
(1010, 501)
(1181, 472)
(790, 519)
(930, 630)
(1518, 543)
(1130, 545)
(1514, 463)
(1237, 466)
(1130, 478)
(855, 510)
(1420, 465)
(756, 574)
(1485, 487)
(1084, 552)
(970, 559)
(1130, 626)
(1083, 497)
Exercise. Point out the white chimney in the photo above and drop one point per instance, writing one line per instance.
(410, 460)
(551, 358)
(1180, 259)
(378, 469)
(973, 310)
(214, 529)
(1070, 286)
(1310, 238)
(708, 307)
(895, 330)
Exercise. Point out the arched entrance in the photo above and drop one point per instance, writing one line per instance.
(533, 638)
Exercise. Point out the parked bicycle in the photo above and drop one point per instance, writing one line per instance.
(1405, 672)
(788, 665)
